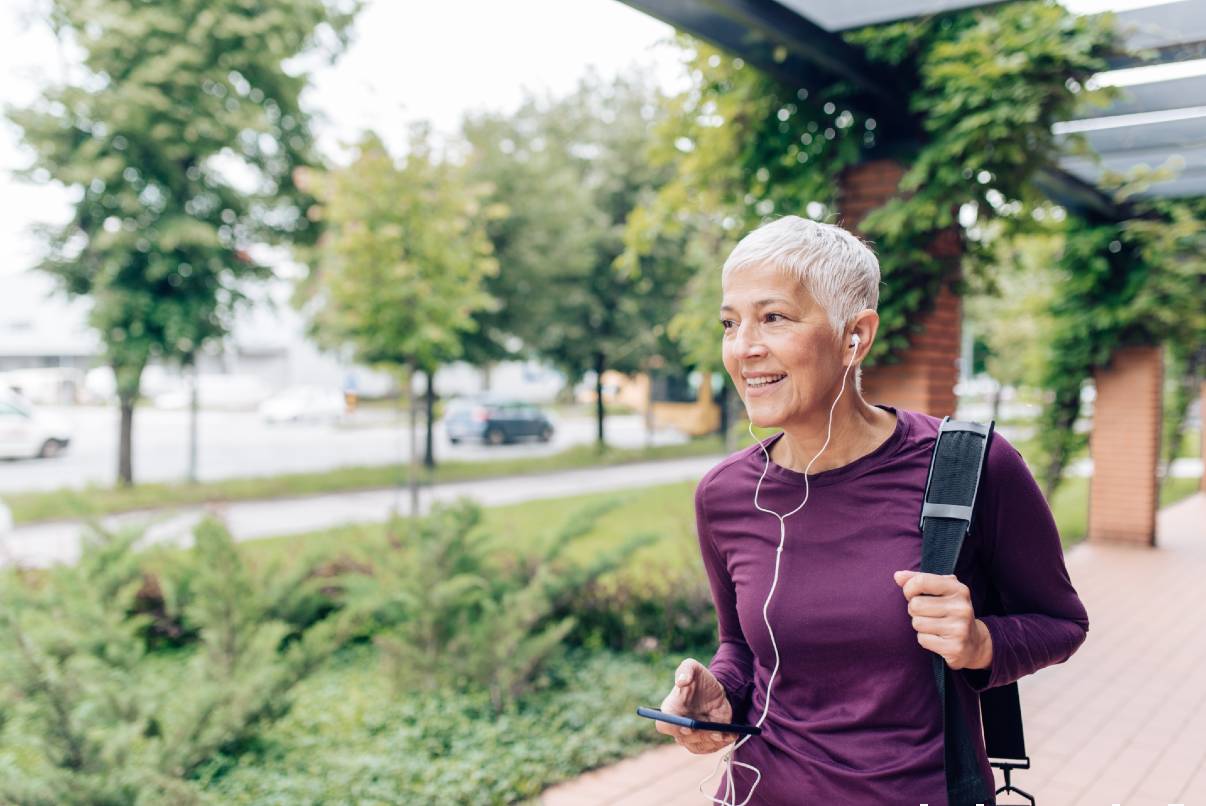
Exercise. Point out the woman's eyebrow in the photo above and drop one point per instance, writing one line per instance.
(761, 303)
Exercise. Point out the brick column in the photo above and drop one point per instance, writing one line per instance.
(1125, 445)
(925, 380)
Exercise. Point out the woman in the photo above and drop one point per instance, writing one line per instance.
(844, 646)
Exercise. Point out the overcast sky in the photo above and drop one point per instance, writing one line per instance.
(408, 61)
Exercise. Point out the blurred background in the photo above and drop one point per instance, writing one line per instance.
(358, 360)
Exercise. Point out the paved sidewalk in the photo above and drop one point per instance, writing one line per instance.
(44, 544)
(1122, 722)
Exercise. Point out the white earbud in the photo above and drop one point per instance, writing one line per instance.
(727, 761)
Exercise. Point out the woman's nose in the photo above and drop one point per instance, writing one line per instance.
(748, 342)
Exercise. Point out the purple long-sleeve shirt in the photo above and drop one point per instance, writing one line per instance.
(854, 716)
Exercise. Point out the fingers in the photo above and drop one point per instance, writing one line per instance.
(703, 741)
(686, 678)
(687, 672)
(940, 607)
(939, 645)
(666, 728)
(915, 583)
(942, 627)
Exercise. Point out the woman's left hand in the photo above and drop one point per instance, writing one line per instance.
(944, 619)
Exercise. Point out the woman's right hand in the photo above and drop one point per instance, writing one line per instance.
(697, 694)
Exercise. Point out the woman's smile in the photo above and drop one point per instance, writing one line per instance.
(763, 387)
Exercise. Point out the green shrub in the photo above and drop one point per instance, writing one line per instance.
(351, 740)
(447, 612)
(96, 718)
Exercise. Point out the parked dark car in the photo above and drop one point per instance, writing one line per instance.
(495, 422)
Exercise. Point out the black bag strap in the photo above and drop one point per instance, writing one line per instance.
(960, 451)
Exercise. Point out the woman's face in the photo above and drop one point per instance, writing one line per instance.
(773, 327)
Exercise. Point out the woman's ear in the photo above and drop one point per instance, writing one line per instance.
(863, 328)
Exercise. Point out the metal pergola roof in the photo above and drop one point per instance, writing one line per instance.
(1157, 123)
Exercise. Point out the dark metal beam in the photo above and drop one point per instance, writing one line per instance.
(791, 49)
(850, 14)
(798, 52)
(815, 45)
(1074, 193)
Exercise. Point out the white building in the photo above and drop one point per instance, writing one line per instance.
(267, 351)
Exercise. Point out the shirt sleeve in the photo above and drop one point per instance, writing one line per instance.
(733, 663)
(1041, 620)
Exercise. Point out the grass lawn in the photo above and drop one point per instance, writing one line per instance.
(67, 503)
(1070, 504)
(666, 510)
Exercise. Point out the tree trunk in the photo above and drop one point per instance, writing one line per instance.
(193, 413)
(599, 444)
(429, 407)
(996, 401)
(486, 373)
(413, 481)
(648, 408)
(125, 466)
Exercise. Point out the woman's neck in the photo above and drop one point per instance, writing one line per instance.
(858, 429)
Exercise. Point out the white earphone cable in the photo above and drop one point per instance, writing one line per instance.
(730, 797)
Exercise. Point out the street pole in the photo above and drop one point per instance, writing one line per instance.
(414, 443)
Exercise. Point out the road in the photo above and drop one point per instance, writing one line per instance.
(237, 444)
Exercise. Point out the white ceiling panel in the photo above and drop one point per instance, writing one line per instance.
(838, 16)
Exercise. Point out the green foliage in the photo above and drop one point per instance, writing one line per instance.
(351, 740)
(1010, 317)
(103, 721)
(569, 172)
(658, 597)
(445, 613)
(1135, 282)
(171, 100)
(1186, 368)
(985, 87)
(400, 272)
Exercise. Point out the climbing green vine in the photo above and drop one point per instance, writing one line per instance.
(1140, 281)
(985, 87)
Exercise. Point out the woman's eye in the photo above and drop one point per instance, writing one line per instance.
(724, 323)
(769, 315)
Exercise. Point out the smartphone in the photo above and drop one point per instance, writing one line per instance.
(698, 724)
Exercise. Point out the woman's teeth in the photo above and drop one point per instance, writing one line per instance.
(765, 381)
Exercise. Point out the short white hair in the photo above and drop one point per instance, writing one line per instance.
(836, 267)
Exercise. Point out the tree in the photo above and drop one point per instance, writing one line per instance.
(570, 171)
(400, 269)
(171, 103)
(544, 224)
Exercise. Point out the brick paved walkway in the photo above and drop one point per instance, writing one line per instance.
(1122, 722)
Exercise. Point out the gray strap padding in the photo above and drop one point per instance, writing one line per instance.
(956, 511)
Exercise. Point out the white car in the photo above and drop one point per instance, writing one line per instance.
(304, 403)
(27, 433)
